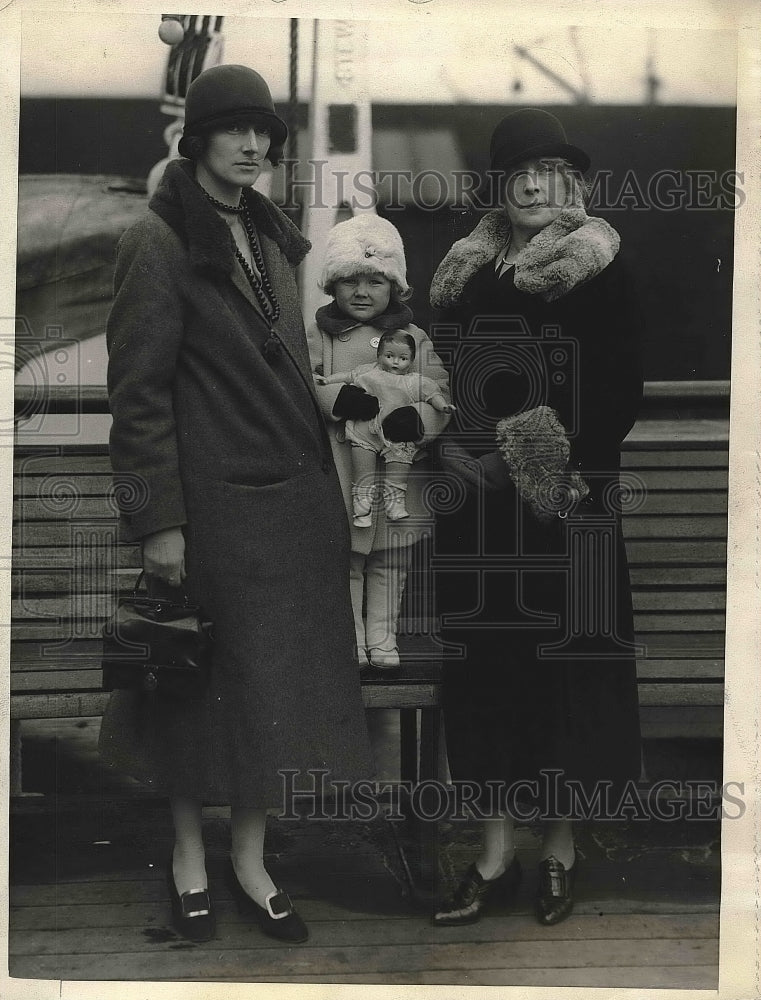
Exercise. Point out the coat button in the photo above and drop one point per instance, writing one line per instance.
(326, 467)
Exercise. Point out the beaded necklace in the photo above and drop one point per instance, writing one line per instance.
(262, 289)
(238, 209)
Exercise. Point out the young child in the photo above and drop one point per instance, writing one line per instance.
(394, 385)
(365, 273)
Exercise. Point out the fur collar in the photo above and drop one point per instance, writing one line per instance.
(180, 203)
(570, 251)
(331, 320)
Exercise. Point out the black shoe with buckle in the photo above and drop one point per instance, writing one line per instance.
(277, 917)
(192, 912)
(472, 895)
(554, 901)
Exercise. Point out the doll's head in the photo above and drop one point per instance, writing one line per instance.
(365, 267)
(396, 352)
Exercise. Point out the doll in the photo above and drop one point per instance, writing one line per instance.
(394, 385)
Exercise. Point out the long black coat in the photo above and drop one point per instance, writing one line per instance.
(539, 668)
(230, 444)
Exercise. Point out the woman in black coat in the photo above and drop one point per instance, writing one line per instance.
(215, 417)
(540, 696)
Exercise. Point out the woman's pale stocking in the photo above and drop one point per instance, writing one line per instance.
(558, 841)
(247, 828)
(499, 847)
(188, 865)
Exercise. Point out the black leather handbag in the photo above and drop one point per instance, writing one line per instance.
(156, 645)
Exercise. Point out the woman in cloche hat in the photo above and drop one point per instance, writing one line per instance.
(215, 417)
(540, 708)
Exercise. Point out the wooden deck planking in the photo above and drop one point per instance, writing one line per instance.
(366, 927)
(690, 977)
(461, 959)
(645, 913)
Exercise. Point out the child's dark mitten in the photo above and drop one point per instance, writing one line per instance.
(353, 403)
(403, 424)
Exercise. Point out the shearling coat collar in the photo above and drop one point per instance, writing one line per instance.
(570, 251)
(180, 203)
(331, 320)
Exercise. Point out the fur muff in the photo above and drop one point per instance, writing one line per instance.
(536, 451)
(364, 244)
(567, 253)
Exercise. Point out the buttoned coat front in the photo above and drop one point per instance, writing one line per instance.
(216, 428)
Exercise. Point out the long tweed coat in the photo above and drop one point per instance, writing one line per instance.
(226, 439)
(338, 343)
(539, 670)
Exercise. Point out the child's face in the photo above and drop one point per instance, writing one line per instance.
(395, 357)
(363, 297)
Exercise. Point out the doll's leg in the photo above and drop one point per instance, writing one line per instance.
(395, 490)
(357, 564)
(363, 462)
(386, 576)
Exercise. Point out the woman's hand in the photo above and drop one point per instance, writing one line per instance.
(164, 556)
(488, 472)
(353, 403)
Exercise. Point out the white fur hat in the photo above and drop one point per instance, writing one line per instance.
(364, 244)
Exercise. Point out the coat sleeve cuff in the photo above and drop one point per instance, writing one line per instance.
(140, 513)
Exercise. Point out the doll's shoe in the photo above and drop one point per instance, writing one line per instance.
(385, 661)
(362, 505)
(277, 917)
(474, 893)
(554, 900)
(394, 502)
(192, 912)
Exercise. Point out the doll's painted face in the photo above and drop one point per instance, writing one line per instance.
(395, 356)
(363, 296)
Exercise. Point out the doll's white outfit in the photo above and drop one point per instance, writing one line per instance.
(393, 390)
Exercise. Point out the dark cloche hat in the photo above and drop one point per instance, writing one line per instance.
(528, 134)
(224, 92)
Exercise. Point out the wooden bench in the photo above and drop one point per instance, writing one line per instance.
(67, 567)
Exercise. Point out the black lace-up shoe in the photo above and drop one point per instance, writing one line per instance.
(554, 901)
(474, 893)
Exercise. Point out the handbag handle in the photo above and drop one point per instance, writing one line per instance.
(140, 579)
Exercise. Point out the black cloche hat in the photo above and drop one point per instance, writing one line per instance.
(531, 133)
(226, 92)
